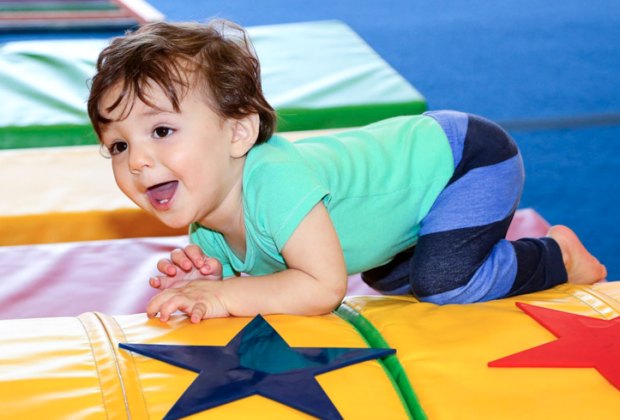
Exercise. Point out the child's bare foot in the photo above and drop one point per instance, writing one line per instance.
(581, 266)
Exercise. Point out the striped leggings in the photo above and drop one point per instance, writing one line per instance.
(462, 255)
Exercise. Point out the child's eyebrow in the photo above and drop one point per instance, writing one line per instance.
(157, 111)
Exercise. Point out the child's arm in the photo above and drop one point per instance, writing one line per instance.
(314, 283)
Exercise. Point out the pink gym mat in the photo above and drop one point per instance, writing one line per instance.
(67, 279)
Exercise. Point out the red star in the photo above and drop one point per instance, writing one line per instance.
(582, 342)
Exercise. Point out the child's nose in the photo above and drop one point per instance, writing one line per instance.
(139, 158)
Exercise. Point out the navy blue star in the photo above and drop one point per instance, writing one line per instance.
(257, 361)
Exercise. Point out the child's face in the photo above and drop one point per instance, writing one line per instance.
(179, 166)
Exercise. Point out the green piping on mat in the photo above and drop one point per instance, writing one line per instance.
(395, 370)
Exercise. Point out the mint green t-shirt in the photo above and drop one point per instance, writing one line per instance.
(377, 183)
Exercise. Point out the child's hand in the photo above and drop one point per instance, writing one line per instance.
(189, 263)
(198, 299)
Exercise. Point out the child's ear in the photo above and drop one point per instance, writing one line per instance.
(245, 133)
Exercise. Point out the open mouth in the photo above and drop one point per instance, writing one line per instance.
(161, 195)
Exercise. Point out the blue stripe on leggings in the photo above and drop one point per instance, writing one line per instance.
(477, 198)
(454, 124)
(492, 280)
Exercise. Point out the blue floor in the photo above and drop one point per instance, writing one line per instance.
(548, 71)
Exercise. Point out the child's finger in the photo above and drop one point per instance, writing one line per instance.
(158, 301)
(212, 267)
(155, 282)
(180, 259)
(195, 254)
(174, 303)
(208, 266)
(165, 266)
(152, 308)
(198, 312)
(166, 282)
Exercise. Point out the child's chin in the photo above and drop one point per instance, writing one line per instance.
(173, 223)
(177, 225)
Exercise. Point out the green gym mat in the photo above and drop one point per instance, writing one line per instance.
(74, 15)
(317, 75)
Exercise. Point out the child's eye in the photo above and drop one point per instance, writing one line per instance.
(161, 132)
(115, 148)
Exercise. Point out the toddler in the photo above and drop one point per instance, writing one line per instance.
(419, 204)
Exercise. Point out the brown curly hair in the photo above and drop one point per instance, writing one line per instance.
(218, 56)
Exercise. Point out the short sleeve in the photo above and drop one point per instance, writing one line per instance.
(279, 192)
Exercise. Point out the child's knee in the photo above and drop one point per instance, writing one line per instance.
(435, 285)
(437, 293)
(446, 281)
